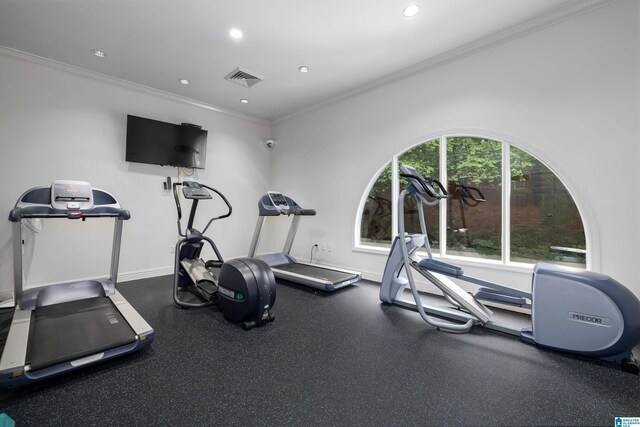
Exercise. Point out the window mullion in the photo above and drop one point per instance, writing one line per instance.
(395, 193)
(506, 203)
(443, 202)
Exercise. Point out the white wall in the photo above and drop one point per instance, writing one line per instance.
(63, 125)
(567, 93)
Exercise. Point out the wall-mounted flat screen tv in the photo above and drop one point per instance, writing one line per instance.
(161, 143)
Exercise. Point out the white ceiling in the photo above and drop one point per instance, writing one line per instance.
(346, 43)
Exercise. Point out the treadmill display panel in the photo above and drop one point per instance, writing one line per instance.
(278, 199)
(79, 193)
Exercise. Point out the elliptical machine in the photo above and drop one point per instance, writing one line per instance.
(243, 288)
(572, 310)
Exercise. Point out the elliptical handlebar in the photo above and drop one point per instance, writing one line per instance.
(436, 191)
(226, 202)
(175, 197)
(470, 196)
(194, 207)
(467, 193)
(442, 192)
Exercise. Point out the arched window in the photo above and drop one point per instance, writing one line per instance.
(375, 220)
(504, 204)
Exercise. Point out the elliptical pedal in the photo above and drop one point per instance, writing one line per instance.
(209, 289)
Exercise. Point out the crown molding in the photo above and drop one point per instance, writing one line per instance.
(83, 72)
(566, 12)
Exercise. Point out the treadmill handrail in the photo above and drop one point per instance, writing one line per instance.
(37, 203)
(39, 211)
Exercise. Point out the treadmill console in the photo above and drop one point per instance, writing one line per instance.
(279, 201)
(193, 190)
(71, 195)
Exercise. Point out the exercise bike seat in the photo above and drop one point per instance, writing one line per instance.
(441, 267)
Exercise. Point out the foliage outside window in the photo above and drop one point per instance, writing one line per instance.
(542, 221)
(474, 168)
(375, 224)
(545, 223)
(424, 158)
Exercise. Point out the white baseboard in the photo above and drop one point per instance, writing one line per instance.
(144, 274)
(5, 296)
(122, 277)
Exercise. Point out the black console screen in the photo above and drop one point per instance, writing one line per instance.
(278, 199)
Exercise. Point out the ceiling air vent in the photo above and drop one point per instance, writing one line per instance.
(242, 78)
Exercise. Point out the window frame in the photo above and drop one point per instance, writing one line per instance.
(505, 262)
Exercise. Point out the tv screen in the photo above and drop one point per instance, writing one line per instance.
(161, 143)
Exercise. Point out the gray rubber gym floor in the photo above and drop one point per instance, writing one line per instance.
(328, 359)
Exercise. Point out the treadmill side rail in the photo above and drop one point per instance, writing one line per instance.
(137, 323)
(341, 270)
(321, 283)
(15, 349)
(300, 278)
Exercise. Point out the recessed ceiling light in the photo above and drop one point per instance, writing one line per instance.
(244, 101)
(411, 10)
(303, 69)
(184, 81)
(99, 53)
(235, 33)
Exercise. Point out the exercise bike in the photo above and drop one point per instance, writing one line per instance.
(244, 288)
(572, 310)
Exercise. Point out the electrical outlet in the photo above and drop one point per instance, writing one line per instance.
(172, 249)
(323, 247)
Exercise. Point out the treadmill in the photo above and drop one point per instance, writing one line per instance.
(62, 327)
(283, 265)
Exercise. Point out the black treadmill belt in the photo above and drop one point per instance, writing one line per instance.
(63, 332)
(6, 316)
(328, 274)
